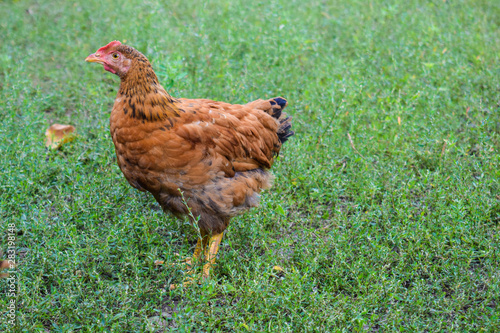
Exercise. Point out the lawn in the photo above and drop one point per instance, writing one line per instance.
(385, 211)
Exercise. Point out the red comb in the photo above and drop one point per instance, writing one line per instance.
(114, 43)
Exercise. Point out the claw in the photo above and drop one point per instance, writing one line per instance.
(210, 254)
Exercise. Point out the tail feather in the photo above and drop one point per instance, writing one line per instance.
(274, 107)
(285, 122)
(284, 130)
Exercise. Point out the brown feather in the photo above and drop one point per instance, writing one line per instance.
(217, 154)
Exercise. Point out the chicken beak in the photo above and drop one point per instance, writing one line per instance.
(94, 58)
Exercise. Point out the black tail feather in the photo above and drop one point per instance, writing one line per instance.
(281, 102)
(277, 113)
(284, 129)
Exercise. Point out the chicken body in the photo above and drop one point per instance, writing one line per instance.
(201, 153)
(214, 156)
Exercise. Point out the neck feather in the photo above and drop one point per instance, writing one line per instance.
(143, 96)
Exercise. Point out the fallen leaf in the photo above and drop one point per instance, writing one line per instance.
(4, 264)
(58, 134)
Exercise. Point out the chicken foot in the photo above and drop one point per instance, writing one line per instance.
(210, 256)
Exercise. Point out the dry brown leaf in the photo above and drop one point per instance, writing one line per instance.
(4, 264)
(58, 134)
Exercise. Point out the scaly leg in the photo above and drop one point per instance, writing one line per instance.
(210, 255)
(198, 249)
(201, 244)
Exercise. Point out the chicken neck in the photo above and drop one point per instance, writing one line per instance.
(143, 96)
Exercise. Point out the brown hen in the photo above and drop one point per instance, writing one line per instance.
(213, 156)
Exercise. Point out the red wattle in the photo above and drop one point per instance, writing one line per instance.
(109, 69)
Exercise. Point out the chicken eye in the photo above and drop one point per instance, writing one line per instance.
(115, 55)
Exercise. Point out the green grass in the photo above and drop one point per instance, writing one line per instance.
(379, 225)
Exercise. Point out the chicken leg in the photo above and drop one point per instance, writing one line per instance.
(213, 248)
(200, 245)
(210, 245)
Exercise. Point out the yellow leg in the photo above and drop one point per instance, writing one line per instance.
(211, 254)
(213, 243)
(200, 244)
